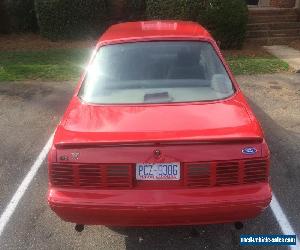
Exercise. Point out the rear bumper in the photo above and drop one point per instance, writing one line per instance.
(160, 207)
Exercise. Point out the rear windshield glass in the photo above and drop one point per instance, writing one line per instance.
(156, 72)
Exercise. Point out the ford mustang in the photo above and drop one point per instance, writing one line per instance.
(158, 133)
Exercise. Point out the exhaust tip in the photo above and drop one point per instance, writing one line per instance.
(238, 225)
(79, 228)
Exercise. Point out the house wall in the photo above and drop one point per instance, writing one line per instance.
(283, 3)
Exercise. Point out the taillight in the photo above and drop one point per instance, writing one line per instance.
(256, 171)
(92, 176)
(195, 175)
(225, 173)
(198, 175)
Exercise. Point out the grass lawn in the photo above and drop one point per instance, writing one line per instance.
(67, 63)
(50, 64)
(245, 65)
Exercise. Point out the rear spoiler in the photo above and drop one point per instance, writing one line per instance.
(100, 144)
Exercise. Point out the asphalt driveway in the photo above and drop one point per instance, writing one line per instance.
(28, 115)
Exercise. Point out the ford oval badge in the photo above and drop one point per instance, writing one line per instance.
(249, 151)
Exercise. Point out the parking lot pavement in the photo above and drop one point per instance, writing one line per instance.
(28, 115)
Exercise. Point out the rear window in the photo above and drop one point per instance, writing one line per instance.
(156, 72)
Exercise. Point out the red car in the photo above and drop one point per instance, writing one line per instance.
(158, 133)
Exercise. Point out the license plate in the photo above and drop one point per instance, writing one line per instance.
(158, 171)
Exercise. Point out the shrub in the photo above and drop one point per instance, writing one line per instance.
(227, 21)
(136, 9)
(174, 9)
(116, 9)
(21, 15)
(4, 20)
(66, 19)
(126, 10)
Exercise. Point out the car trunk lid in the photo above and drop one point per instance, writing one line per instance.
(216, 122)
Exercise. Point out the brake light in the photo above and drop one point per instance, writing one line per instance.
(92, 176)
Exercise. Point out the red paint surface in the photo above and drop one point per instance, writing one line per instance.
(184, 132)
(160, 207)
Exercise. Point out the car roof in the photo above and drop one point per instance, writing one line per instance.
(153, 30)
